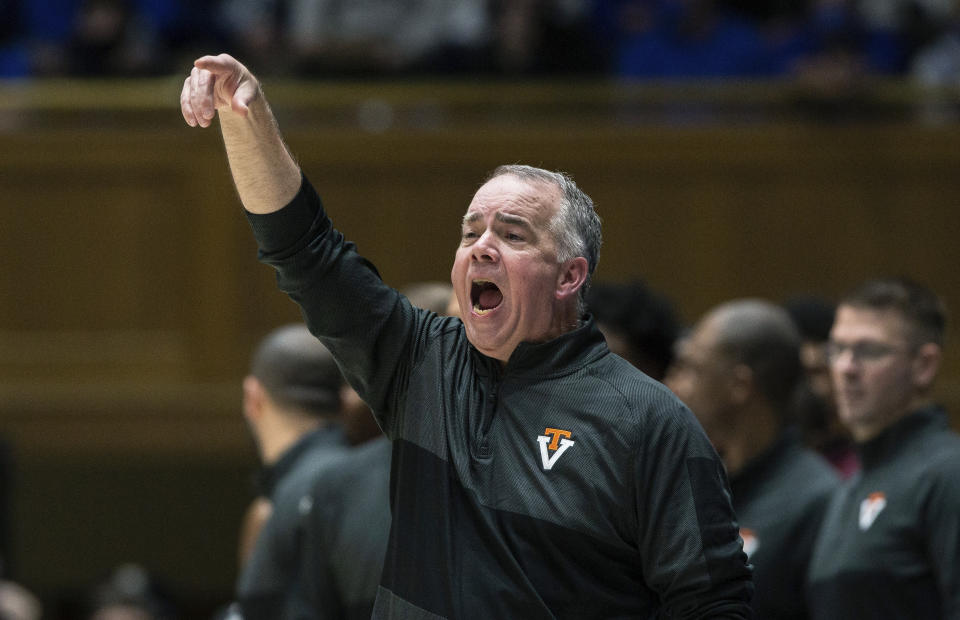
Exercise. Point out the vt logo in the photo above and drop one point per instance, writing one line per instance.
(558, 441)
(870, 508)
(750, 540)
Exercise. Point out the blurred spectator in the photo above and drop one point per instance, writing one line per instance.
(841, 49)
(131, 593)
(97, 37)
(937, 60)
(737, 372)
(14, 57)
(255, 30)
(815, 407)
(889, 546)
(546, 37)
(638, 324)
(826, 44)
(680, 39)
(18, 603)
(386, 36)
(291, 401)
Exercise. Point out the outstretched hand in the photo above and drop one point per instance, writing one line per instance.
(216, 83)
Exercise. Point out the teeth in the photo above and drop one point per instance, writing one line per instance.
(477, 310)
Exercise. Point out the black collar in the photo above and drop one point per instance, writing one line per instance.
(270, 475)
(563, 355)
(894, 437)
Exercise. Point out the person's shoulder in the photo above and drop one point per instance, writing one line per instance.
(818, 478)
(941, 453)
(650, 409)
(311, 464)
(936, 448)
(627, 378)
(349, 466)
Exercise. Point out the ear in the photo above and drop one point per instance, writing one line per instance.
(741, 385)
(926, 363)
(253, 399)
(573, 274)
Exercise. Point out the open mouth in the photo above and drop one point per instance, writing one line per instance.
(484, 296)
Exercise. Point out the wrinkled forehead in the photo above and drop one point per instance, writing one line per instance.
(530, 198)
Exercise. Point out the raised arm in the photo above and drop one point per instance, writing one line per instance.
(265, 173)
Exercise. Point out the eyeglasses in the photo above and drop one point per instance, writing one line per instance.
(865, 351)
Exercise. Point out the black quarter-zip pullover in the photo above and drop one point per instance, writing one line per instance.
(565, 484)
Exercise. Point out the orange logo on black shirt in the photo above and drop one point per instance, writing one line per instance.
(750, 540)
(553, 440)
(870, 508)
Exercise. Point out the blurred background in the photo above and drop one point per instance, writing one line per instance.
(733, 147)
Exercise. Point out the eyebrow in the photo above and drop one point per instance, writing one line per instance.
(504, 218)
(512, 220)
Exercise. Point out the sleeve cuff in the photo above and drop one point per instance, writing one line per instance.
(282, 229)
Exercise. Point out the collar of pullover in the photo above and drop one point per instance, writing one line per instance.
(564, 354)
(764, 465)
(900, 433)
(271, 475)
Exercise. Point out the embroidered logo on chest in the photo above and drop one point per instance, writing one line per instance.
(870, 508)
(750, 540)
(553, 443)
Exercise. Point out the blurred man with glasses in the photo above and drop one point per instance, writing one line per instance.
(890, 542)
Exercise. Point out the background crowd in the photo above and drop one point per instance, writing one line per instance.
(816, 40)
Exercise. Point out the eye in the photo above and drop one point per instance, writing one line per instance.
(511, 236)
(469, 234)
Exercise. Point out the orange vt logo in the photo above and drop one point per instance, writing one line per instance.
(870, 508)
(556, 441)
(750, 540)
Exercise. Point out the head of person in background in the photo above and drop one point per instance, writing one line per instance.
(638, 324)
(359, 424)
(737, 371)
(130, 592)
(18, 603)
(815, 407)
(293, 388)
(885, 350)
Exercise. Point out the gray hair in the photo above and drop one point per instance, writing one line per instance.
(576, 228)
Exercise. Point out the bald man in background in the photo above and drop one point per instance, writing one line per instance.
(738, 371)
(291, 401)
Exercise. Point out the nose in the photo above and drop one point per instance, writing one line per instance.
(844, 362)
(485, 250)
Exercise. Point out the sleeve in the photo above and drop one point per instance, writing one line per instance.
(374, 333)
(689, 539)
(942, 529)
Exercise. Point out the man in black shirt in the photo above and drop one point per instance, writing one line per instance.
(890, 542)
(291, 399)
(535, 474)
(737, 371)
